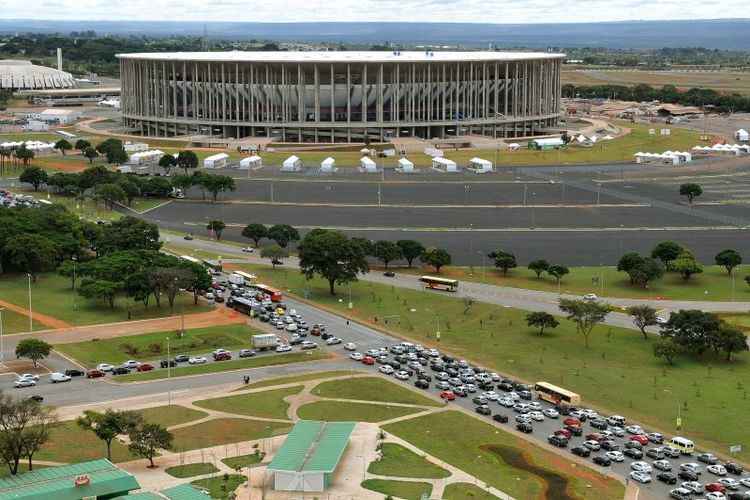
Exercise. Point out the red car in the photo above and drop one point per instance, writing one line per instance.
(640, 438)
(564, 432)
(573, 422)
(448, 395)
(145, 367)
(717, 487)
(368, 360)
(94, 374)
(594, 436)
(222, 356)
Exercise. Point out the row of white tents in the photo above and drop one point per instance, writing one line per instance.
(38, 147)
(669, 157)
(733, 149)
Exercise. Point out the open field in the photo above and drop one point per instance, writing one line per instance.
(295, 378)
(219, 487)
(341, 411)
(243, 460)
(502, 460)
(14, 322)
(402, 462)
(168, 416)
(225, 431)
(266, 404)
(150, 346)
(51, 295)
(466, 491)
(191, 470)
(721, 81)
(371, 389)
(88, 208)
(408, 490)
(69, 443)
(498, 338)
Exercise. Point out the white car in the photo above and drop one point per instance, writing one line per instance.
(691, 467)
(592, 445)
(617, 431)
(640, 466)
(729, 483)
(715, 495)
(507, 402)
(717, 470)
(402, 375)
(248, 249)
(333, 341)
(197, 360)
(615, 456)
(350, 346)
(745, 481)
(28, 376)
(535, 405)
(663, 465)
(283, 348)
(356, 356)
(386, 369)
(551, 413)
(693, 487)
(661, 320)
(105, 367)
(291, 327)
(56, 377)
(131, 364)
(24, 382)
(640, 477)
(433, 353)
(590, 297)
(634, 429)
(491, 395)
(537, 415)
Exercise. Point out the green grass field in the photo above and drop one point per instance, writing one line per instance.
(706, 391)
(371, 389)
(23, 466)
(220, 487)
(294, 378)
(14, 322)
(191, 470)
(402, 462)
(51, 295)
(523, 471)
(70, 444)
(86, 209)
(408, 490)
(267, 404)
(341, 411)
(244, 460)
(224, 431)
(170, 415)
(466, 491)
(153, 346)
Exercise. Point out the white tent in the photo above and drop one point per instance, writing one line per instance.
(405, 166)
(292, 164)
(367, 165)
(146, 157)
(444, 165)
(249, 162)
(216, 161)
(328, 165)
(514, 146)
(480, 166)
(742, 135)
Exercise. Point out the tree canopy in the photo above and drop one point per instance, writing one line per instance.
(331, 255)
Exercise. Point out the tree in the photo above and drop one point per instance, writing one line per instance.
(110, 194)
(187, 160)
(283, 234)
(643, 317)
(24, 154)
(410, 250)
(128, 233)
(331, 255)
(34, 176)
(109, 145)
(147, 439)
(692, 329)
(728, 259)
(99, 289)
(24, 428)
(557, 271)
(108, 425)
(386, 251)
(538, 266)
(183, 182)
(667, 349)
(33, 349)
(628, 262)
(730, 340)
(91, 154)
(641, 270)
(31, 253)
(691, 191)
(686, 265)
(117, 156)
(255, 232)
(82, 145)
(585, 314)
(200, 279)
(130, 188)
(63, 145)
(216, 184)
(436, 257)
(666, 252)
(541, 320)
(170, 280)
(275, 253)
(366, 245)
(167, 162)
(216, 226)
(503, 260)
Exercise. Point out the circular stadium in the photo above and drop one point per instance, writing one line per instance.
(341, 97)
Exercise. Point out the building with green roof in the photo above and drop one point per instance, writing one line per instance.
(180, 492)
(309, 456)
(94, 480)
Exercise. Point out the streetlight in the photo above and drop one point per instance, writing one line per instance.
(169, 375)
(75, 302)
(2, 350)
(31, 313)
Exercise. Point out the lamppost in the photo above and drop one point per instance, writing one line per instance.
(169, 375)
(484, 264)
(2, 347)
(31, 313)
(75, 302)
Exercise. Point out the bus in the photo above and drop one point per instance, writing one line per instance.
(241, 304)
(242, 278)
(685, 446)
(435, 283)
(275, 294)
(556, 395)
(213, 265)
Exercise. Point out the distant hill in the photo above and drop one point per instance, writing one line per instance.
(728, 34)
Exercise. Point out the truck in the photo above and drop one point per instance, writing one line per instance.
(265, 341)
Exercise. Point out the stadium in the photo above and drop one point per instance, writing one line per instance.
(340, 96)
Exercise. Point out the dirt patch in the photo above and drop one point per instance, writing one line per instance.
(69, 165)
(41, 318)
(555, 485)
(22, 366)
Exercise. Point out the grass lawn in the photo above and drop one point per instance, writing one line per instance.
(151, 346)
(191, 470)
(295, 378)
(503, 460)
(170, 415)
(707, 390)
(266, 404)
(402, 462)
(23, 466)
(409, 490)
(224, 431)
(143, 204)
(244, 460)
(339, 411)
(236, 364)
(466, 491)
(220, 487)
(371, 389)
(70, 443)
(86, 209)
(14, 322)
(51, 295)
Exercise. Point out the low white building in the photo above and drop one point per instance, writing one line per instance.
(251, 162)
(36, 126)
(292, 164)
(328, 165)
(405, 166)
(367, 165)
(742, 135)
(444, 165)
(57, 116)
(480, 166)
(216, 161)
(135, 147)
(142, 158)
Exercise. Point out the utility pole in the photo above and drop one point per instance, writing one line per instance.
(2, 347)
(31, 312)
(169, 375)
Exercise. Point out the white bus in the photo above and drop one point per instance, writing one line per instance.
(685, 446)
(435, 283)
(242, 278)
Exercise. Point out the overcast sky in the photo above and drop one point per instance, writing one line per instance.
(493, 11)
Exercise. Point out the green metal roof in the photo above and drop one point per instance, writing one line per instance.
(313, 447)
(146, 495)
(58, 482)
(184, 492)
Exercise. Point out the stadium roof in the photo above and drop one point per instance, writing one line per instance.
(104, 479)
(313, 447)
(17, 75)
(341, 56)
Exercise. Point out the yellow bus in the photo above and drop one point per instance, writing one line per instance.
(685, 446)
(556, 395)
(435, 283)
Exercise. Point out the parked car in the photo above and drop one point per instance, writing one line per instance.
(633, 453)
(717, 470)
(558, 441)
(182, 358)
(145, 367)
(615, 456)
(708, 458)
(74, 373)
(368, 360)
(120, 370)
(24, 382)
(350, 346)
(164, 363)
(602, 461)
(57, 377)
(679, 493)
(525, 427)
(734, 468)
(421, 384)
(667, 477)
(581, 451)
(640, 477)
(448, 395)
(197, 360)
(247, 353)
(499, 417)
(483, 410)
(94, 373)
(105, 367)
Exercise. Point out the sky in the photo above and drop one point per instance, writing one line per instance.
(485, 11)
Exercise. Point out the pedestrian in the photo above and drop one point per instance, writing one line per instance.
(347, 322)
(247, 379)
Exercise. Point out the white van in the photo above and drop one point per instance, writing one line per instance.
(685, 446)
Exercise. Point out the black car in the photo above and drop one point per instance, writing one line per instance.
(74, 373)
(326, 336)
(687, 475)
(609, 445)
(483, 410)
(525, 427)
(422, 383)
(389, 274)
(581, 451)
(486, 386)
(499, 417)
(506, 387)
(633, 444)
(164, 363)
(667, 477)
(424, 376)
(182, 358)
(602, 460)
(734, 468)
(634, 453)
(574, 429)
(394, 364)
(37, 398)
(120, 371)
(559, 441)
(599, 423)
(736, 495)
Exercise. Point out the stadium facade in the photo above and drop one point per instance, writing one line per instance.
(341, 96)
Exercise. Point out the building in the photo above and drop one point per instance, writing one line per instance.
(22, 75)
(56, 116)
(309, 456)
(341, 96)
(74, 97)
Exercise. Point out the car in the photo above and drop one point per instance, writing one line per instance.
(680, 494)
(609, 445)
(634, 429)
(639, 438)
(708, 458)
(248, 249)
(688, 475)
(602, 461)
(198, 360)
(550, 413)
(640, 477)
(671, 452)
(483, 410)
(729, 483)
(615, 456)
(616, 430)
(691, 466)
(662, 465)
(580, 451)
(291, 327)
(182, 358)
(590, 297)
(283, 348)
(460, 391)
(693, 487)
(715, 495)
(447, 395)
(357, 356)
(421, 384)
(94, 373)
(386, 370)
(595, 436)
(389, 274)
(523, 418)
(120, 370)
(633, 453)
(167, 363)
(333, 341)
(655, 453)
(350, 346)
(616, 420)
(368, 360)
(734, 468)
(525, 427)
(640, 466)
(592, 445)
(57, 377)
(499, 417)
(745, 481)
(564, 432)
(222, 356)
(655, 437)
(667, 477)
(598, 423)
(570, 421)
(576, 431)
(24, 382)
(537, 416)
(28, 376)
(36, 397)
(401, 375)
(308, 344)
(247, 353)
(188, 237)
(633, 444)
(717, 470)
(74, 373)
(715, 487)
(145, 367)
(105, 367)
(558, 441)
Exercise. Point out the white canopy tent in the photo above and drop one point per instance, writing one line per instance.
(480, 166)
(216, 161)
(514, 146)
(742, 135)
(444, 165)
(405, 166)
(367, 165)
(328, 165)
(146, 157)
(250, 162)
(291, 164)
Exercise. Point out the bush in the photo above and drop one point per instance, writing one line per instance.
(129, 349)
